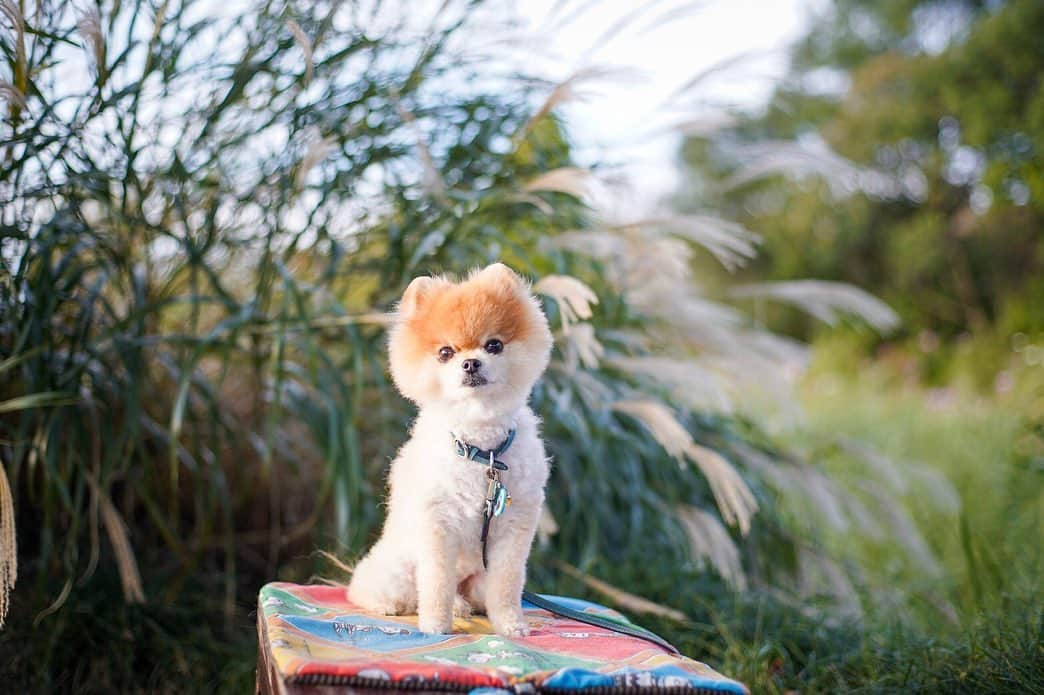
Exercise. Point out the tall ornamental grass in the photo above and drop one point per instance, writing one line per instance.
(207, 214)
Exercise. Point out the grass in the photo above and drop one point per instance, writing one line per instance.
(989, 638)
(989, 445)
(98, 644)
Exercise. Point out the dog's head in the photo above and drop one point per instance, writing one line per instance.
(484, 340)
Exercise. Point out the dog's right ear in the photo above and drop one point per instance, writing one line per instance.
(416, 293)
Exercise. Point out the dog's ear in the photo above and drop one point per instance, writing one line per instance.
(416, 293)
(501, 274)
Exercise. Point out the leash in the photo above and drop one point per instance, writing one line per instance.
(497, 500)
(598, 621)
(497, 497)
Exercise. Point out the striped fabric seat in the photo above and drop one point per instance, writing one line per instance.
(312, 640)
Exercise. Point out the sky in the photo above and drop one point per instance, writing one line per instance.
(632, 117)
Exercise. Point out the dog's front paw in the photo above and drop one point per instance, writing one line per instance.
(511, 625)
(434, 626)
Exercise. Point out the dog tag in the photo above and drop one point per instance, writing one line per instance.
(502, 500)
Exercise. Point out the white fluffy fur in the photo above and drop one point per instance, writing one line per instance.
(428, 559)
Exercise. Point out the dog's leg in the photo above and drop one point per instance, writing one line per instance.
(436, 580)
(506, 574)
(383, 582)
(473, 590)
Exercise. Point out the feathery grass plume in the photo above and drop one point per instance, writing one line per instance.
(811, 491)
(89, 26)
(704, 125)
(658, 419)
(534, 200)
(8, 545)
(546, 526)
(567, 19)
(590, 387)
(827, 301)
(55, 605)
(884, 467)
(821, 575)
(337, 562)
(566, 91)
(44, 399)
(818, 494)
(432, 178)
(306, 47)
(710, 541)
(734, 498)
(624, 599)
(825, 498)
(810, 157)
(649, 266)
(731, 243)
(934, 485)
(12, 13)
(573, 297)
(10, 10)
(718, 68)
(374, 318)
(673, 15)
(573, 181)
(636, 12)
(15, 92)
(319, 149)
(903, 529)
(116, 529)
(756, 372)
(10, 93)
(687, 380)
(582, 348)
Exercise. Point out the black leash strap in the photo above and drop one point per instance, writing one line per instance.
(598, 621)
(497, 496)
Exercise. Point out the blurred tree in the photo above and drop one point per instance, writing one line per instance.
(939, 104)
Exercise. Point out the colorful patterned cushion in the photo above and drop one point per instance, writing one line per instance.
(315, 636)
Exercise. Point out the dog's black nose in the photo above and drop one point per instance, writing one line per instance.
(471, 366)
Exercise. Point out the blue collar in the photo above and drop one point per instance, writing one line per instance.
(484, 456)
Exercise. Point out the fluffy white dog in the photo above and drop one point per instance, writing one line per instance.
(468, 354)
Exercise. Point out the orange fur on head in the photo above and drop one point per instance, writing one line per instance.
(491, 303)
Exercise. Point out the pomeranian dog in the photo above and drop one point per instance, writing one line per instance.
(465, 492)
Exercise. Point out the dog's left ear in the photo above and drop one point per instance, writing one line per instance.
(501, 274)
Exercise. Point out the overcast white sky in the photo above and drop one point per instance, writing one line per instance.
(631, 119)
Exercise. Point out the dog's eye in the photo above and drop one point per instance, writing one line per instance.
(494, 346)
(446, 353)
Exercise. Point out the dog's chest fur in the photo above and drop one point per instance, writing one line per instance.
(430, 480)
